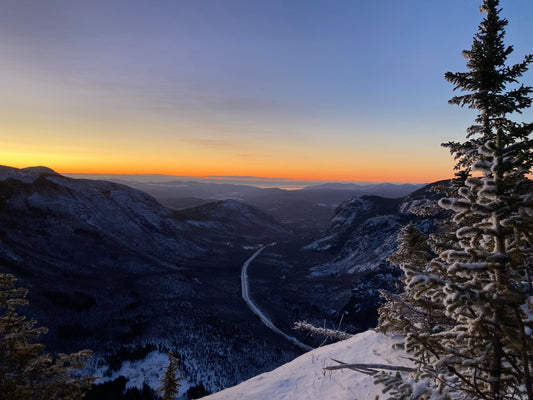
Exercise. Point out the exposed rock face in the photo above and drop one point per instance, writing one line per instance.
(359, 239)
(362, 233)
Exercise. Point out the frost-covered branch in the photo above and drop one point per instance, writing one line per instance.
(314, 330)
(368, 369)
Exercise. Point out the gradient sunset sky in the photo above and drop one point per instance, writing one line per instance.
(304, 89)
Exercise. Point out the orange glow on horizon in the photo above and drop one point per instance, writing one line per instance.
(304, 163)
(65, 164)
(67, 145)
(374, 175)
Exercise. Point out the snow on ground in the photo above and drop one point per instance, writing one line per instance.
(148, 370)
(304, 378)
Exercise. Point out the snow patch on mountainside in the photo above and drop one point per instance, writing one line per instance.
(349, 212)
(305, 377)
(148, 370)
(367, 250)
(362, 233)
(322, 244)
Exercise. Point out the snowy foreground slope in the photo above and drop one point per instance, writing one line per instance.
(305, 378)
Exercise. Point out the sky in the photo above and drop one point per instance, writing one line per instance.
(302, 89)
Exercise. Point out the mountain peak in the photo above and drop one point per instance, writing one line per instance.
(26, 175)
(40, 170)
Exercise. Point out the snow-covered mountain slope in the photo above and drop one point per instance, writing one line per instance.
(232, 221)
(305, 378)
(362, 233)
(62, 220)
(109, 268)
(358, 240)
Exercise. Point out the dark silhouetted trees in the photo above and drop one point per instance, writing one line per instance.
(26, 371)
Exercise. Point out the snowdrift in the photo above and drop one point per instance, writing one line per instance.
(305, 378)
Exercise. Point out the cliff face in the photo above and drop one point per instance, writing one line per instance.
(362, 233)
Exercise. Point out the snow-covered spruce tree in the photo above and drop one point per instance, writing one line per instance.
(26, 372)
(412, 313)
(170, 382)
(400, 314)
(489, 351)
(483, 278)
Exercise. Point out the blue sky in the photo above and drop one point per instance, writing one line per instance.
(350, 90)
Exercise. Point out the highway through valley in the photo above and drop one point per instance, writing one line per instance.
(246, 296)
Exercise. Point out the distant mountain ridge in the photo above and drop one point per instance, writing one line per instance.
(303, 209)
(259, 182)
(384, 189)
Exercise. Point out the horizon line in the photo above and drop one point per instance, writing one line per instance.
(238, 178)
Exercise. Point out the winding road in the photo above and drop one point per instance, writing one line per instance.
(256, 310)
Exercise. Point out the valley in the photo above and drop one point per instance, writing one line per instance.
(111, 269)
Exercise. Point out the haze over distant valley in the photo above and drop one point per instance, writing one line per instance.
(299, 205)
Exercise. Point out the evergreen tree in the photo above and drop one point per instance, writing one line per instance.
(413, 314)
(481, 280)
(401, 313)
(170, 382)
(26, 372)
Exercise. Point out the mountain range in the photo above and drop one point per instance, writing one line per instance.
(301, 209)
(111, 268)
